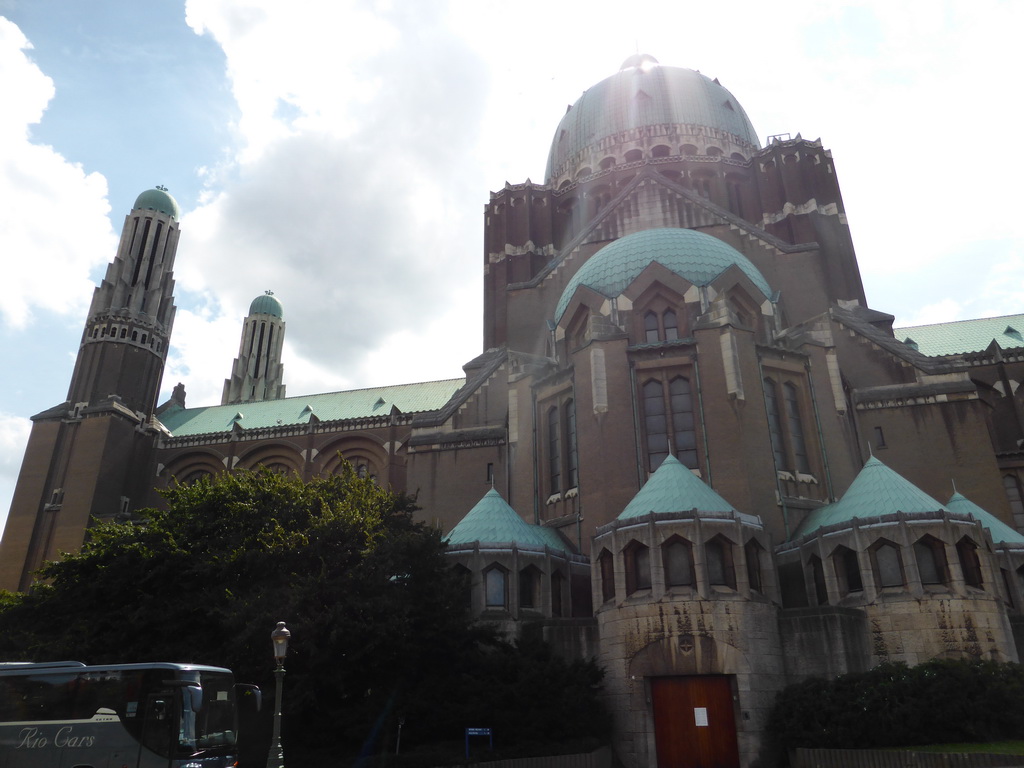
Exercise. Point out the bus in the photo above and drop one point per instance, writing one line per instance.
(69, 715)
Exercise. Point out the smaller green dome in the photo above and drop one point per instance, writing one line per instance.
(694, 256)
(158, 200)
(267, 304)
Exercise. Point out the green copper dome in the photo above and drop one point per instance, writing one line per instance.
(643, 93)
(492, 521)
(158, 200)
(267, 304)
(674, 488)
(694, 256)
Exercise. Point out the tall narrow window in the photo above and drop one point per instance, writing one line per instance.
(718, 552)
(677, 559)
(683, 431)
(554, 457)
(671, 324)
(571, 449)
(651, 328)
(847, 568)
(557, 585)
(752, 553)
(771, 402)
(930, 554)
(529, 586)
(970, 563)
(496, 587)
(888, 565)
(796, 430)
(655, 424)
(818, 576)
(607, 567)
(637, 561)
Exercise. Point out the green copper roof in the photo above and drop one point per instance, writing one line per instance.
(694, 256)
(267, 304)
(674, 488)
(493, 521)
(333, 406)
(1001, 533)
(964, 335)
(644, 93)
(158, 200)
(876, 491)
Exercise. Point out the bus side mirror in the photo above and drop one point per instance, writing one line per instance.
(249, 696)
(195, 696)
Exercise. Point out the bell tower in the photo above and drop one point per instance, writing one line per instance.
(87, 457)
(257, 373)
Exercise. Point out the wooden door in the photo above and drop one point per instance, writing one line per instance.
(694, 722)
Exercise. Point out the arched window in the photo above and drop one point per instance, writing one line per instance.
(496, 587)
(608, 162)
(572, 452)
(970, 563)
(771, 401)
(887, 564)
(677, 415)
(655, 424)
(529, 587)
(634, 155)
(847, 568)
(557, 587)
(684, 431)
(677, 559)
(670, 324)
(796, 430)
(638, 567)
(721, 572)
(930, 554)
(465, 579)
(818, 577)
(660, 151)
(651, 330)
(752, 554)
(607, 567)
(554, 455)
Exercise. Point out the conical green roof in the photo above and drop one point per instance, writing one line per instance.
(493, 521)
(1001, 533)
(674, 488)
(876, 491)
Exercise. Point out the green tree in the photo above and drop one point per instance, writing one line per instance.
(380, 626)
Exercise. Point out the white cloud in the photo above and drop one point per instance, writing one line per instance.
(53, 221)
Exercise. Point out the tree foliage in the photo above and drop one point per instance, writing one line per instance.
(380, 626)
(893, 705)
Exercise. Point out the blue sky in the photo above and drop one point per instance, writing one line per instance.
(341, 154)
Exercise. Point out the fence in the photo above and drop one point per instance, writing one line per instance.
(879, 758)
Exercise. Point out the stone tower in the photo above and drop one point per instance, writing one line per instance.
(257, 373)
(90, 456)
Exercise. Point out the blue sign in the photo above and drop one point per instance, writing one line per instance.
(479, 732)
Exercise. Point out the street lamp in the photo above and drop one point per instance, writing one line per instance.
(279, 638)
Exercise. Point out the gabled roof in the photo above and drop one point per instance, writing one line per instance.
(876, 491)
(963, 336)
(373, 402)
(674, 488)
(1001, 533)
(493, 521)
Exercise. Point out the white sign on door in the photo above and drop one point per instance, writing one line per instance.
(700, 717)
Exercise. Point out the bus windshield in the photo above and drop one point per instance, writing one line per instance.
(165, 713)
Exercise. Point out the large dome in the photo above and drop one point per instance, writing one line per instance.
(694, 256)
(158, 200)
(645, 94)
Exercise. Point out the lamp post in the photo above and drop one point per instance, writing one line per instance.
(279, 637)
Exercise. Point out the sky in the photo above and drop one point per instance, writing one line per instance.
(341, 154)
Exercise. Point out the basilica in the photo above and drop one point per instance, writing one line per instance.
(689, 448)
